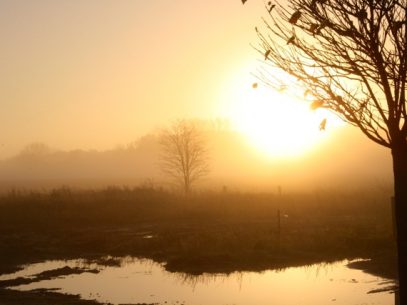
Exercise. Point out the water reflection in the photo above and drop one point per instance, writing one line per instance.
(143, 281)
(31, 270)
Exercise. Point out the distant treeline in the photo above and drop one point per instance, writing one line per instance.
(345, 161)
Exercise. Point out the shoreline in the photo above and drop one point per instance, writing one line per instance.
(213, 233)
(47, 297)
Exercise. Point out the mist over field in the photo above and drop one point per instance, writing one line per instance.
(234, 164)
(187, 152)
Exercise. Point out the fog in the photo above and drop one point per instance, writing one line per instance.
(108, 79)
(347, 160)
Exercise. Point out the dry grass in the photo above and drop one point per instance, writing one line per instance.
(212, 232)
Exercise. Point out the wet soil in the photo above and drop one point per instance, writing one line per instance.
(219, 234)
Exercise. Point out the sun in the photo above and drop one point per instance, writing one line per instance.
(278, 125)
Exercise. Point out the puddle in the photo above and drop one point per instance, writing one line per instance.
(144, 281)
(31, 270)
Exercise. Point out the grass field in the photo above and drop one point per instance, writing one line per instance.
(206, 232)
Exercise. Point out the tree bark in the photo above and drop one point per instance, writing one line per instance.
(399, 154)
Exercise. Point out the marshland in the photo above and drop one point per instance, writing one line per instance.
(203, 152)
(203, 233)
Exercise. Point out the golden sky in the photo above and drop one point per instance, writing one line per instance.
(93, 74)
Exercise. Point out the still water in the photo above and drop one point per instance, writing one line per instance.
(143, 281)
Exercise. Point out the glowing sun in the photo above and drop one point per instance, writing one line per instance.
(278, 125)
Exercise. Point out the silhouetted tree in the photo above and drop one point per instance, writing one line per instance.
(348, 56)
(184, 153)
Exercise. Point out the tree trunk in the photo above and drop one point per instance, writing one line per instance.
(186, 185)
(399, 154)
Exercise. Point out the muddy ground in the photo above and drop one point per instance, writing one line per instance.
(218, 233)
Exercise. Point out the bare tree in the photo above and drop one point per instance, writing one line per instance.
(348, 56)
(184, 153)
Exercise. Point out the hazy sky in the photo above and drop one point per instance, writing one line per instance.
(93, 74)
(96, 73)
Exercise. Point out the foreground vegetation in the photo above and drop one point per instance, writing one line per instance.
(208, 232)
